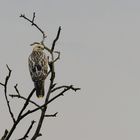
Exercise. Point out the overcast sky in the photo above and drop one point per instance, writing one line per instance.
(100, 49)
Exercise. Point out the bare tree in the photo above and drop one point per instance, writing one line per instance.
(28, 100)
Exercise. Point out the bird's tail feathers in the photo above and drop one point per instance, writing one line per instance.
(39, 86)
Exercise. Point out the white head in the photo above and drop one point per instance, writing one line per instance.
(37, 46)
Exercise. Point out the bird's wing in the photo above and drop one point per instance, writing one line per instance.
(38, 66)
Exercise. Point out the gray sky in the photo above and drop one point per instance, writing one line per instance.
(100, 49)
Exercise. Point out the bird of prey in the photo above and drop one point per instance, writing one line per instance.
(38, 67)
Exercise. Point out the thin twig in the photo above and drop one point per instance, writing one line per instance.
(57, 88)
(28, 131)
(52, 115)
(1, 84)
(55, 40)
(17, 89)
(58, 57)
(64, 86)
(53, 85)
(33, 17)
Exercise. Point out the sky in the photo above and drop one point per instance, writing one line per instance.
(99, 46)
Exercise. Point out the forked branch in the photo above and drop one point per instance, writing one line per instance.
(34, 24)
(17, 89)
(24, 98)
(5, 92)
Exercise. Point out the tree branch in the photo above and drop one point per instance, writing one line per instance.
(17, 89)
(19, 118)
(55, 40)
(5, 134)
(52, 115)
(62, 92)
(34, 24)
(28, 131)
(5, 92)
(33, 18)
(1, 84)
(54, 98)
(21, 97)
(58, 56)
(26, 103)
(64, 86)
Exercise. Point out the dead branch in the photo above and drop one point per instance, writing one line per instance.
(17, 89)
(21, 97)
(26, 103)
(55, 40)
(5, 92)
(28, 131)
(58, 56)
(5, 134)
(62, 92)
(34, 24)
(64, 86)
(52, 115)
(19, 118)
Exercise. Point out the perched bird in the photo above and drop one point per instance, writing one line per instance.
(38, 67)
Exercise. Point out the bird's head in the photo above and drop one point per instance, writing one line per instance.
(37, 46)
